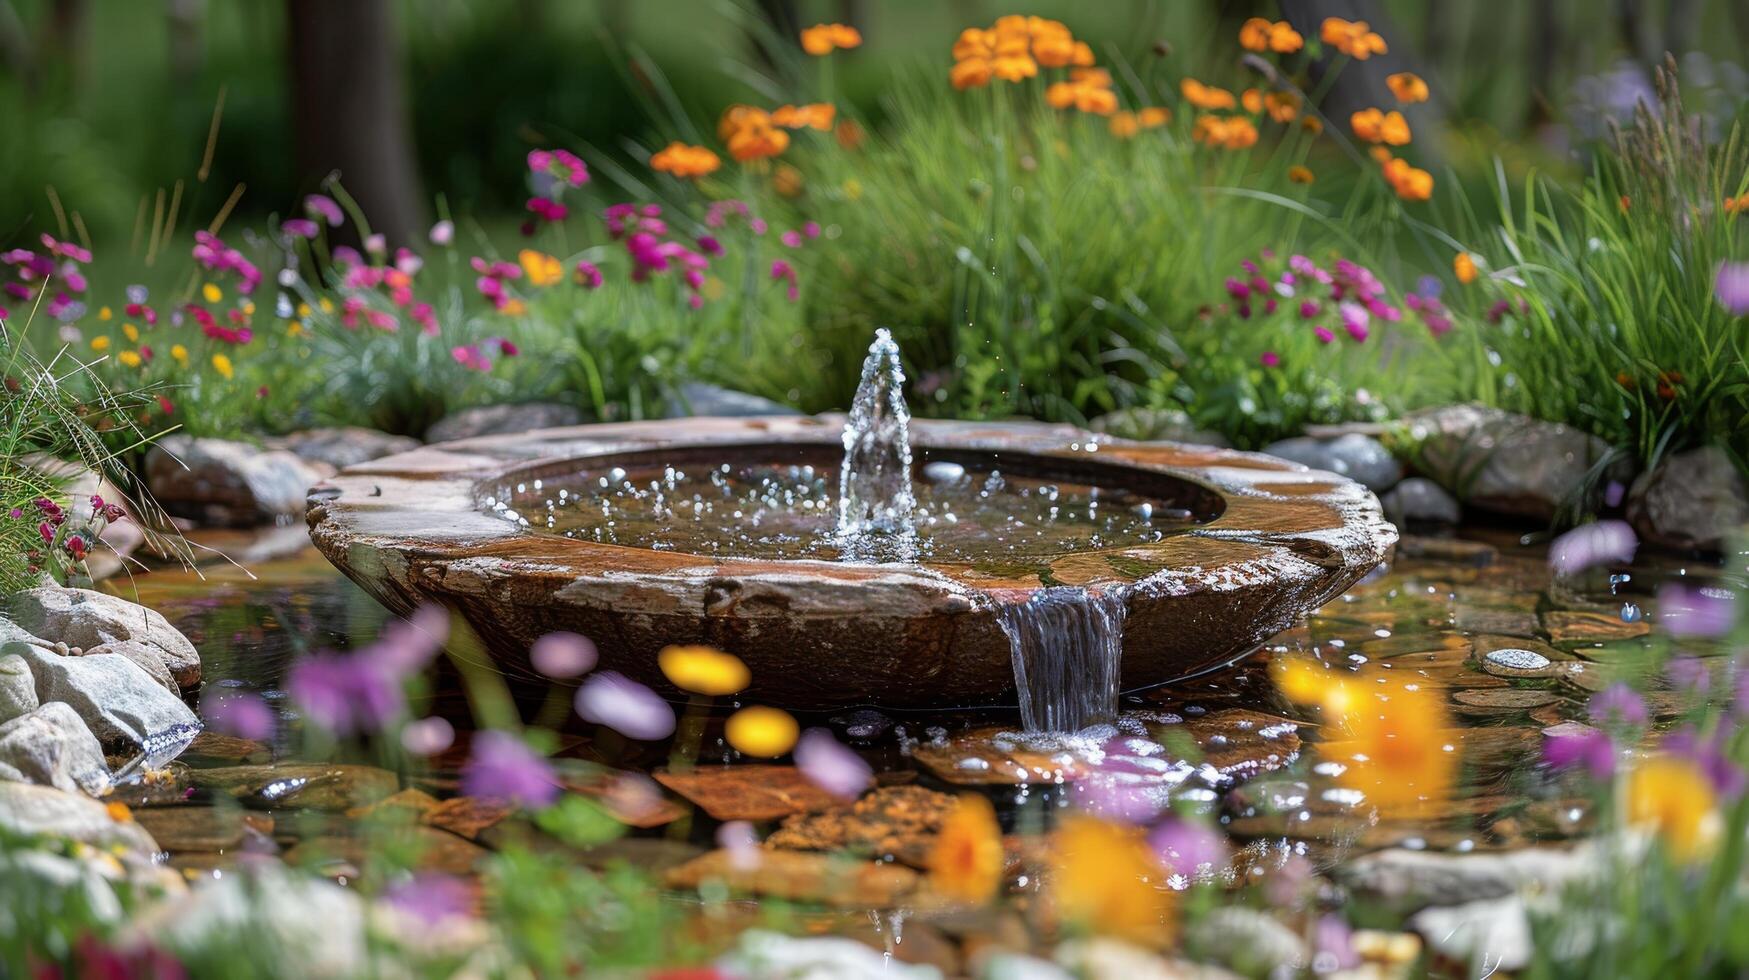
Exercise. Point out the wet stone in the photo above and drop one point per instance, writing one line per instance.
(1570, 626)
(210, 746)
(201, 828)
(1459, 550)
(899, 821)
(1517, 662)
(748, 792)
(468, 816)
(802, 876)
(1506, 700)
(314, 787)
(632, 798)
(1483, 619)
(406, 806)
(438, 850)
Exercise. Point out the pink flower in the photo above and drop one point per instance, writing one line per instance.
(238, 713)
(1730, 286)
(625, 706)
(300, 227)
(791, 238)
(1188, 849)
(1270, 359)
(431, 897)
(1325, 335)
(470, 357)
(427, 736)
(1597, 543)
(1617, 707)
(588, 275)
(324, 207)
(784, 272)
(562, 655)
(738, 838)
(376, 244)
(1308, 309)
(562, 165)
(829, 765)
(443, 233)
(501, 766)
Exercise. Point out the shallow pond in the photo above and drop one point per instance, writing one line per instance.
(1477, 619)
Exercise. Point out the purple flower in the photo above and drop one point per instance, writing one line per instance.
(324, 207)
(1187, 848)
(1617, 706)
(1712, 759)
(431, 897)
(361, 691)
(443, 233)
(1308, 309)
(503, 767)
(1571, 744)
(791, 238)
(625, 706)
(1731, 286)
(829, 765)
(1689, 676)
(427, 736)
(738, 838)
(563, 655)
(300, 227)
(1702, 611)
(1597, 543)
(238, 713)
(1333, 946)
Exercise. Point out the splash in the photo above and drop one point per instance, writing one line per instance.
(1067, 645)
(876, 507)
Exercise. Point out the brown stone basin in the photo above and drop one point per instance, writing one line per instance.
(1269, 541)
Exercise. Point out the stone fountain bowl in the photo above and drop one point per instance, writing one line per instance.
(1271, 541)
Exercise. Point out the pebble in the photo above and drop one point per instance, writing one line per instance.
(1516, 662)
(943, 472)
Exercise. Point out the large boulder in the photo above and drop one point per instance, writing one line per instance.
(696, 398)
(17, 687)
(344, 446)
(219, 482)
(1156, 425)
(51, 746)
(94, 621)
(27, 810)
(1361, 458)
(121, 704)
(1418, 500)
(1693, 500)
(1506, 463)
(496, 420)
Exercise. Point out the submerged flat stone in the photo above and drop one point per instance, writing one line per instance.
(1577, 626)
(1502, 700)
(748, 792)
(308, 786)
(801, 876)
(1517, 662)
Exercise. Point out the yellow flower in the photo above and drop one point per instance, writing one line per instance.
(513, 307)
(104, 313)
(1407, 87)
(1464, 267)
(542, 269)
(132, 332)
(967, 861)
(326, 304)
(212, 292)
(119, 812)
(1123, 125)
(304, 310)
(1299, 174)
(222, 364)
(761, 731)
(294, 328)
(703, 670)
(823, 39)
(1675, 799)
(129, 358)
(1096, 882)
(100, 344)
(248, 307)
(1206, 96)
(179, 353)
(852, 189)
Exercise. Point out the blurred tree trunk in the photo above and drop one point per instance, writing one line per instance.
(1546, 43)
(63, 43)
(349, 109)
(1680, 23)
(187, 51)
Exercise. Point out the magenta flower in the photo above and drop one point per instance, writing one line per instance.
(784, 272)
(1333, 946)
(563, 655)
(1597, 543)
(503, 767)
(1705, 611)
(1617, 707)
(1270, 359)
(1354, 319)
(1325, 335)
(791, 238)
(324, 207)
(427, 736)
(1731, 287)
(470, 357)
(624, 705)
(1186, 848)
(443, 233)
(561, 165)
(1308, 309)
(431, 897)
(1571, 745)
(829, 765)
(300, 227)
(588, 275)
(238, 713)
(376, 244)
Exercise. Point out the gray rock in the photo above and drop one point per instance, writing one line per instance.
(1692, 500)
(344, 446)
(695, 398)
(89, 620)
(52, 747)
(121, 704)
(1418, 500)
(1490, 935)
(1156, 425)
(306, 786)
(759, 953)
(1506, 463)
(492, 420)
(224, 483)
(1361, 458)
(1409, 879)
(27, 810)
(287, 913)
(17, 687)
(1249, 941)
(144, 655)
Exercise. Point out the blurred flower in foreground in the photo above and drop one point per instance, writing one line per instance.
(1618, 708)
(625, 706)
(1097, 882)
(1582, 746)
(563, 655)
(1673, 797)
(761, 731)
(427, 736)
(1731, 286)
(1187, 848)
(739, 839)
(431, 897)
(238, 713)
(502, 766)
(1703, 611)
(1597, 543)
(358, 692)
(829, 765)
(1389, 733)
(967, 862)
(684, 161)
(703, 670)
(823, 39)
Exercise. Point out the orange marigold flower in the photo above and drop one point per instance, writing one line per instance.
(818, 115)
(1153, 116)
(1083, 56)
(1124, 125)
(1254, 34)
(1380, 155)
(787, 180)
(1353, 38)
(738, 117)
(1014, 67)
(1095, 100)
(1231, 132)
(1367, 124)
(1252, 100)
(1102, 878)
(1312, 124)
(1394, 129)
(1282, 106)
(1407, 87)
(684, 161)
(1300, 174)
(1733, 205)
(1206, 96)
(974, 42)
(1464, 267)
(1410, 183)
(542, 269)
(971, 73)
(756, 139)
(1053, 49)
(1283, 39)
(849, 133)
(1097, 77)
(967, 861)
(823, 39)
